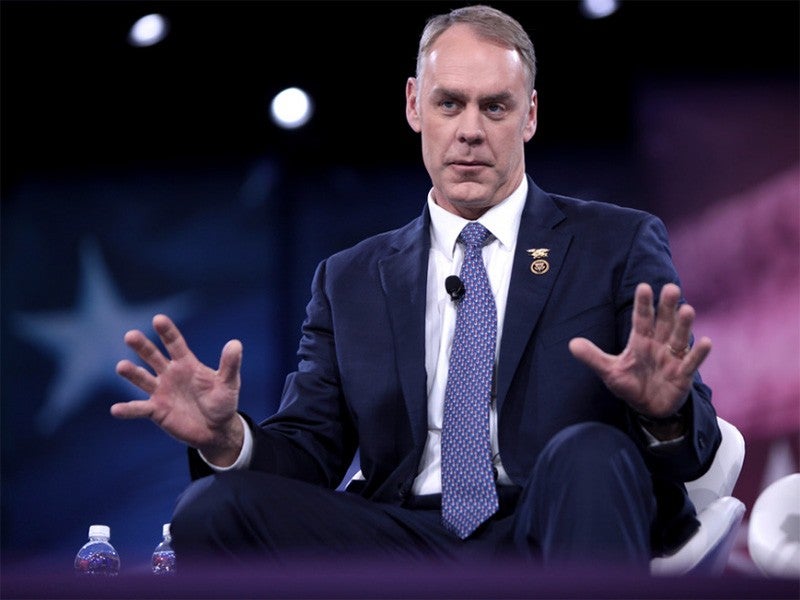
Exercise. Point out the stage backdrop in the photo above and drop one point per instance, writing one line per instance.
(226, 243)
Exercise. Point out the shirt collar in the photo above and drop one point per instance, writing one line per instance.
(502, 220)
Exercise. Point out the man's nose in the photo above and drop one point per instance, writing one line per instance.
(470, 126)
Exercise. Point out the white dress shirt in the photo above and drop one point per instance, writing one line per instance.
(445, 258)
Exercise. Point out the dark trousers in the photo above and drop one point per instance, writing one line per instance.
(589, 500)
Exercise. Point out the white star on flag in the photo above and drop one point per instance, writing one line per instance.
(87, 341)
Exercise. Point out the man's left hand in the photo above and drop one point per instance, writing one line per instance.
(654, 372)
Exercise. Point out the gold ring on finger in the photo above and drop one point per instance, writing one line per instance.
(679, 353)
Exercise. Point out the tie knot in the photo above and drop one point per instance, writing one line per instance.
(474, 235)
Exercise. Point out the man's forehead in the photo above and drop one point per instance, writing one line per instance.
(484, 73)
(458, 49)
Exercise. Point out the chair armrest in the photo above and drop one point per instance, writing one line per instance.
(708, 549)
(721, 477)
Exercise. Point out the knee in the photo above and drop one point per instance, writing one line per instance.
(592, 434)
(589, 494)
(193, 501)
(194, 509)
(588, 451)
(207, 506)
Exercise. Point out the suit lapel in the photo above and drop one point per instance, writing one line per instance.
(528, 291)
(403, 275)
(404, 279)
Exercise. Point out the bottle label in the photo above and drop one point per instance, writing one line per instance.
(163, 562)
(97, 563)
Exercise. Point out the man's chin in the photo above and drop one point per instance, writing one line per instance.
(467, 199)
(469, 192)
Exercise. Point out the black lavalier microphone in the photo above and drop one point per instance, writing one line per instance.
(454, 287)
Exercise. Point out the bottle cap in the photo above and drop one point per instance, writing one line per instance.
(103, 531)
(165, 529)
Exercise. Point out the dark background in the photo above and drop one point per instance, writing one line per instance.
(75, 94)
(142, 180)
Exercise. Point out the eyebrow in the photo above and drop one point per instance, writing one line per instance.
(500, 97)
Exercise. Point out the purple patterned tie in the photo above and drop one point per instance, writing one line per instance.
(469, 495)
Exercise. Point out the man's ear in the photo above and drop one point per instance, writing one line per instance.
(530, 125)
(412, 109)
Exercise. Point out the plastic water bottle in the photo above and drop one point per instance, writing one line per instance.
(164, 555)
(97, 556)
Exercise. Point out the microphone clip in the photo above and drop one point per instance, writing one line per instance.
(454, 287)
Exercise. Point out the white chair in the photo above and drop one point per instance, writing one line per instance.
(773, 535)
(719, 513)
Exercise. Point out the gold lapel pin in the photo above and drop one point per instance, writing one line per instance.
(539, 266)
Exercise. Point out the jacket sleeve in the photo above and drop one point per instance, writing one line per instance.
(650, 260)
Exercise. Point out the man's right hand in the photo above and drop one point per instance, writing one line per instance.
(190, 401)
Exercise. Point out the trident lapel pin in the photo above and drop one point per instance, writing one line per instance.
(539, 266)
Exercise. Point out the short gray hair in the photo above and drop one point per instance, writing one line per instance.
(487, 22)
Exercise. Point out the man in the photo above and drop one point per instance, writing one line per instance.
(591, 413)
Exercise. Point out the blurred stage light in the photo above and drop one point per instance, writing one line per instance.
(148, 31)
(291, 108)
(598, 9)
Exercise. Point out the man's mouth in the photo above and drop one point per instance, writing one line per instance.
(468, 163)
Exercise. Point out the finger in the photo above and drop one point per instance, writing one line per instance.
(696, 356)
(171, 337)
(230, 363)
(146, 350)
(643, 312)
(588, 353)
(667, 311)
(138, 376)
(135, 409)
(682, 330)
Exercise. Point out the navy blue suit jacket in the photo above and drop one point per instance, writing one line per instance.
(361, 380)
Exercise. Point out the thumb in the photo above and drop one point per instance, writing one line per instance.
(230, 363)
(588, 353)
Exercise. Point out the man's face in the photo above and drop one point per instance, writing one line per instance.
(474, 113)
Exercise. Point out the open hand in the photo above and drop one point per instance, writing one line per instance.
(187, 399)
(654, 372)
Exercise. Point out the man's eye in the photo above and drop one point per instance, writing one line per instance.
(494, 109)
(448, 104)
